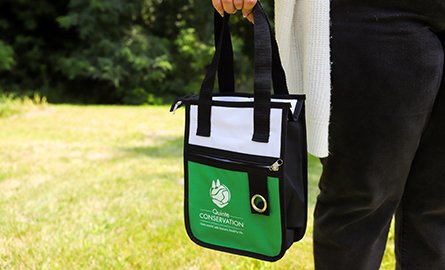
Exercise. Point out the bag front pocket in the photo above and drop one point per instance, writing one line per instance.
(234, 205)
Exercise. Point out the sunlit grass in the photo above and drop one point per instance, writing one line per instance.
(100, 187)
(12, 105)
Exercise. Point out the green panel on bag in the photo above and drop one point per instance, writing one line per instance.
(219, 211)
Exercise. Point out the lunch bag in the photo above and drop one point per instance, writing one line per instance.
(245, 158)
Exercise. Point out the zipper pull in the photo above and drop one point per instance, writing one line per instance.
(179, 101)
(175, 106)
(276, 166)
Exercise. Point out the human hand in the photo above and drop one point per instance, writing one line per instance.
(231, 6)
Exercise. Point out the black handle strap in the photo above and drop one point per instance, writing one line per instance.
(226, 80)
(262, 77)
(226, 72)
(205, 95)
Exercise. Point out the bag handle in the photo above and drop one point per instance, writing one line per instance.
(226, 73)
(226, 79)
(262, 78)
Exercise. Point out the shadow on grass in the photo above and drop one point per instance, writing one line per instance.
(165, 147)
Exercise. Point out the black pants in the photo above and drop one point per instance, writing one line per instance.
(387, 137)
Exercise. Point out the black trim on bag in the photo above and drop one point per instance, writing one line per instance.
(302, 122)
(232, 164)
(194, 99)
(249, 104)
(213, 152)
(249, 95)
(298, 109)
(241, 104)
(286, 244)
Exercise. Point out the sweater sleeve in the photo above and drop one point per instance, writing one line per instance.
(302, 31)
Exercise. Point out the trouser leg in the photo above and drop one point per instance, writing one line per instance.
(420, 217)
(386, 71)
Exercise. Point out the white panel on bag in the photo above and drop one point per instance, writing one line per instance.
(232, 130)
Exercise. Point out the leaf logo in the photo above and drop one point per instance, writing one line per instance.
(220, 194)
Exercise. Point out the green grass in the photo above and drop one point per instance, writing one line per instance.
(11, 105)
(100, 187)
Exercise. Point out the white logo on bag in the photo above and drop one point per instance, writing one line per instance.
(220, 194)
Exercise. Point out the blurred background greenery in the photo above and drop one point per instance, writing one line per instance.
(113, 51)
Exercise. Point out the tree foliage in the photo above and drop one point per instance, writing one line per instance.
(111, 51)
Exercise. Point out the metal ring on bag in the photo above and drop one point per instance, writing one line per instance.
(252, 202)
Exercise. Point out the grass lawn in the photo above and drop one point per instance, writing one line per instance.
(100, 187)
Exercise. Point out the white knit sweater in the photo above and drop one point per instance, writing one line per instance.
(302, 32)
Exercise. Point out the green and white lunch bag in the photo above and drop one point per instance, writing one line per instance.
(245, 160)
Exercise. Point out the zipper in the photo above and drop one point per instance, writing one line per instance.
(176, 106)
(179, 101)
(274, 167)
